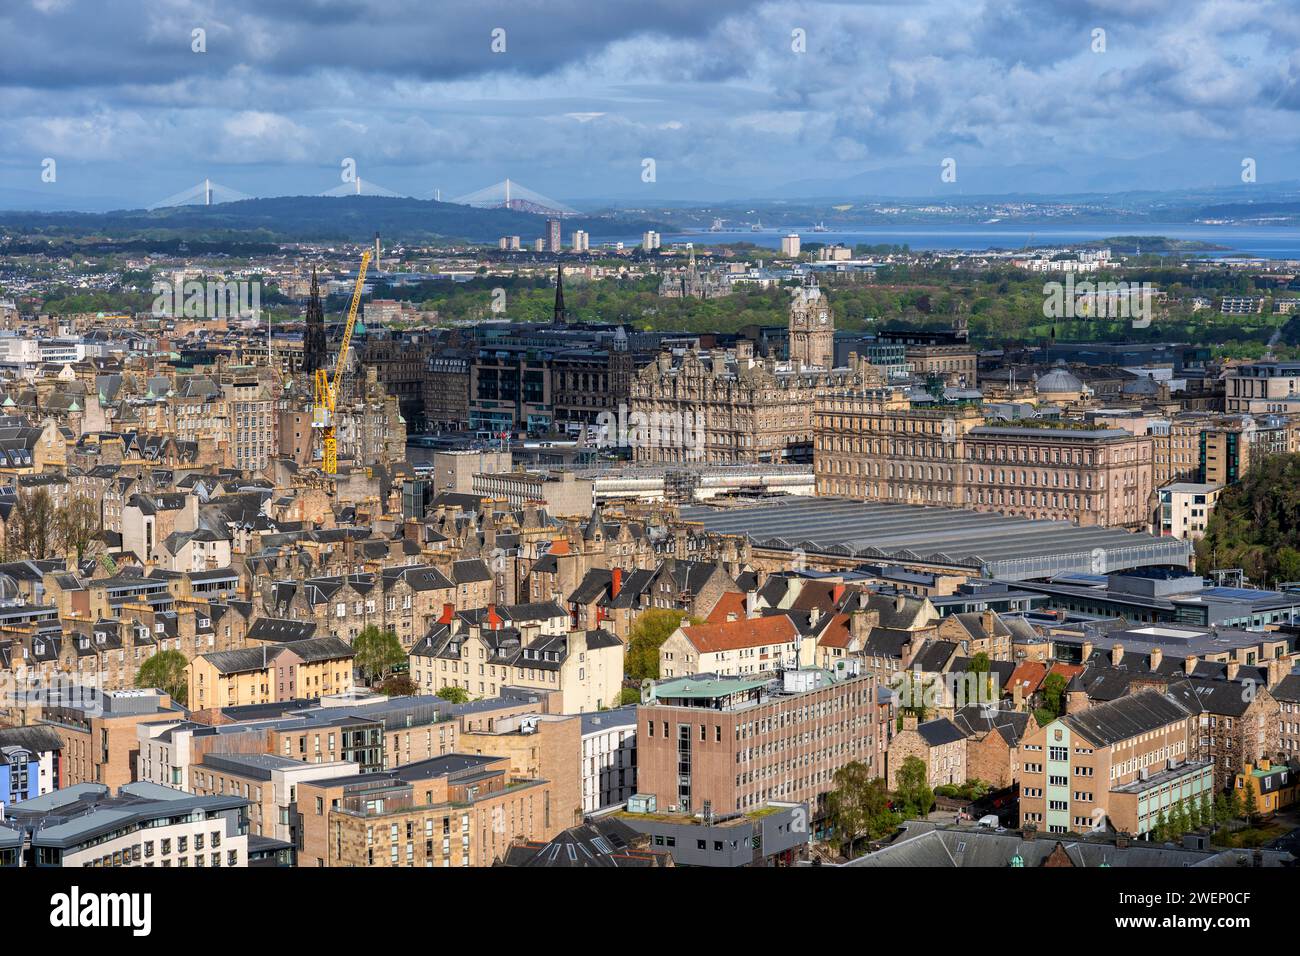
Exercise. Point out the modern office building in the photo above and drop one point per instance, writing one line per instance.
(737, 744)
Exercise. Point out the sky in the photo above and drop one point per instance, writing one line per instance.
(727, 99)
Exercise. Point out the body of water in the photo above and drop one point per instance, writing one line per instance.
(1269, 242)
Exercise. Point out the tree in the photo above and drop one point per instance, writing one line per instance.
(378, 652)
(1054, 695)
(652, 628)
(1256, 523)
(32, 524)
(453, 694)
(165, 671)
(859, 805)
(1179, 821)
(629, 695)
(912, 790)
(1194, 821)
(1236, 806)
(1222, 809)
(1250, 803)
(981, 667)
(397, 685)
(1161, 830)
(1208, 817)
(76, 526)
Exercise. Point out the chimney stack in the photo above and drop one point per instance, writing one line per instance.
(1277, 669)
(1085, 652)
(1233, 668)
(448, 612)
(1189, 664)
(493, 619)
(1157, 655)
(1116, 654)
(900, 602)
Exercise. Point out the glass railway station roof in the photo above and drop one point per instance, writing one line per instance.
(995, 545)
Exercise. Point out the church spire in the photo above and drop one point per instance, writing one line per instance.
(561, 313)
(313, 344)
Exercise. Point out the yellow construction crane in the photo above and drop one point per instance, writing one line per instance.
(327, 390)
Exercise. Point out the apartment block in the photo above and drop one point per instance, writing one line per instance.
(457, 810)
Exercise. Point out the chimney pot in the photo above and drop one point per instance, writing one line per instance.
(1116, 654)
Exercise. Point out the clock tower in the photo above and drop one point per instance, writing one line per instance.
(812, 328)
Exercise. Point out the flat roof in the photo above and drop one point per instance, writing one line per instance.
(699, 688)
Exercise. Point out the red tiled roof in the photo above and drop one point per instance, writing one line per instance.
(836, 633)
(731, 602)
(1029, 675)
(749, 632)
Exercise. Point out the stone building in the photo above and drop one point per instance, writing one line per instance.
(876, 445)
(812, 328)
(939, 744)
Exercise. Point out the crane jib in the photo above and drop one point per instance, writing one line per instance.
(347, 331)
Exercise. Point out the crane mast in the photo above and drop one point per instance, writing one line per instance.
(327, 389)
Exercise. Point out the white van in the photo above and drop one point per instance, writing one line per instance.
(990, 822)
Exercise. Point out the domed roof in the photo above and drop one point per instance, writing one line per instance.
(1059, 379)
(1142, 385)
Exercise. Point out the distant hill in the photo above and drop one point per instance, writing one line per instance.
(317, 219)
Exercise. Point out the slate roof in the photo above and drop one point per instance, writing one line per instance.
(1116, 720)
(936, 733)
(280, 630)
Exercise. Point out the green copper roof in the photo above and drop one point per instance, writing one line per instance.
(694, 688)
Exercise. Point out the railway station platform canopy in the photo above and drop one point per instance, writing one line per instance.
(991, 545)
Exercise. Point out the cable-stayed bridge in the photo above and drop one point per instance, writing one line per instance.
(508, 194)
(205, 193)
